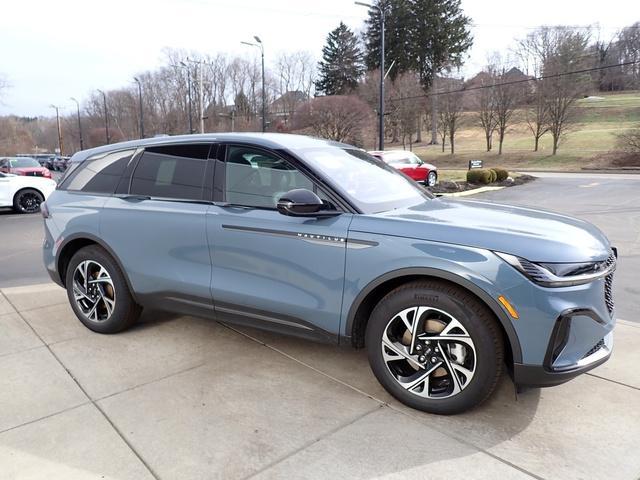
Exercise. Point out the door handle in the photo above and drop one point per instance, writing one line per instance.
(136, 198)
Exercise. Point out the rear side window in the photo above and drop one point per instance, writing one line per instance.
(97, 174)
(175, 171)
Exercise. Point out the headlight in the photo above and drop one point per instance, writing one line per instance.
(560, 274)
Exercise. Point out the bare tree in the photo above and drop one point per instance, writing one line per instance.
(506, 100)
(450, 110)
(344, 118)
(404, 115)
(486, 106)
(552, 52)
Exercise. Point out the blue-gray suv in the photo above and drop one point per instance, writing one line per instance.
(321, 240)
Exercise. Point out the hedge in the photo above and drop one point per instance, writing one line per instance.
(479, 176)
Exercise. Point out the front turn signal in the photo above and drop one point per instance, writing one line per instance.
(505, 303)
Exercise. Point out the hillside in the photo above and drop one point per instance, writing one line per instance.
(591, 141)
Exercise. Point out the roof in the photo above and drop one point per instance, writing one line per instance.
(277, 141)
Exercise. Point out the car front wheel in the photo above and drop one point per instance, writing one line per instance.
(432, 178)
(27, 200)
(435, 347)
(98, 292)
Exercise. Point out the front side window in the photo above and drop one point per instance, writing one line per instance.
(175, 171)
(255, 178)
(369, 183)
(405, 158)
(98, 174)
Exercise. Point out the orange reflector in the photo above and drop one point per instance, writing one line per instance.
(505, 303)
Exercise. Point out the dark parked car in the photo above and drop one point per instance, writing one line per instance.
(322, 240)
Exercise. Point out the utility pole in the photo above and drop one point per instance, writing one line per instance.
(382, 74)
(189, 95)
(106, 115)
(201, 98)
(60, 147)
(264, 95)
(137, 80)
(79, 123)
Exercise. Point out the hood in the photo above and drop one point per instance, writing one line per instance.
(536, 235)
(29, 169)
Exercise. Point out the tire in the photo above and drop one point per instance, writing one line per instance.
(474, 349)
(27, 200)
(432, 179)
(106, 288)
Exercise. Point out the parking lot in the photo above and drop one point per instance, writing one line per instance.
(190, 398)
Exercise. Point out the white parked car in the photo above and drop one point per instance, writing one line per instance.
(24, 193)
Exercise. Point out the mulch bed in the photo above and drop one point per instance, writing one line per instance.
(447, 186)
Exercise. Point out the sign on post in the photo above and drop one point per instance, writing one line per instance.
(475, 164)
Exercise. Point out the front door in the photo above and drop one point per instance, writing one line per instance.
(270, 270)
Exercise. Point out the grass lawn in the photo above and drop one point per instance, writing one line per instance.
(588, 140)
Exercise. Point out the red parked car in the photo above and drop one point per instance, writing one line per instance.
(409, 164)
(23, 166)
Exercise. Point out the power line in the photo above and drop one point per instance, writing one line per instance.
(514, 82)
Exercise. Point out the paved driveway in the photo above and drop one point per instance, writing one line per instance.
(181, 397)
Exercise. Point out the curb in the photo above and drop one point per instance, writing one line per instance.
(470, 192)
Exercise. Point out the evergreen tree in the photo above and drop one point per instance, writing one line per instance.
(342, 65)
(421, 35)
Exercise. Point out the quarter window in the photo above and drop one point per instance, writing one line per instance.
(98, 174)
(176, 171)
(258, 179)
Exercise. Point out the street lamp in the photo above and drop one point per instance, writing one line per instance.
(381, 107)
(137, 80)
(59, 129)
(106, 115)
(264, 96)
(189, 95)
(79, 123)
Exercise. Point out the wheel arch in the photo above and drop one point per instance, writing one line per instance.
(20, 189)
(74, 243)
(366, 300)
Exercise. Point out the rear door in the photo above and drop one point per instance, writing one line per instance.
(157, 226)
(270, 270)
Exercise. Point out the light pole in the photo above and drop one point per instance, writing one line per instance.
(189, 95)
(106, 115)
(264, 96)
(59, 129)
(79, 123)
(137, 80)
(381, 106)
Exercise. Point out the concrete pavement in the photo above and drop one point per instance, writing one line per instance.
(181, 397)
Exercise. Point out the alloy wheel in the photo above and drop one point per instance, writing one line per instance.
(93, 291)
(431, 179)
(29, 202)
(428, 352)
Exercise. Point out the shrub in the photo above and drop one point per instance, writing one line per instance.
(479, 176)
(494, 175)
(502, 174)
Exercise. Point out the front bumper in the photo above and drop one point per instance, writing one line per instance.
(547, 375)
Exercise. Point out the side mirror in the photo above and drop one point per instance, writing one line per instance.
(301, 202)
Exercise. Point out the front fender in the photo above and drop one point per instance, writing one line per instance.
(477, 270)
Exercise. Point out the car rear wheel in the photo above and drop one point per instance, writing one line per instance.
(27, 200)
(98, 292)
(435, 347)
(432, 178)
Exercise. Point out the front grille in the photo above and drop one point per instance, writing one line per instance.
(608, 285)
(34, 174)
(594, 349)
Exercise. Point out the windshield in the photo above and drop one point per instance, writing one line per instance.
(23, 163)
(368, 182)
(406, 158)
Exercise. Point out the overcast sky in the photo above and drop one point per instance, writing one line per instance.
(52, 50)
